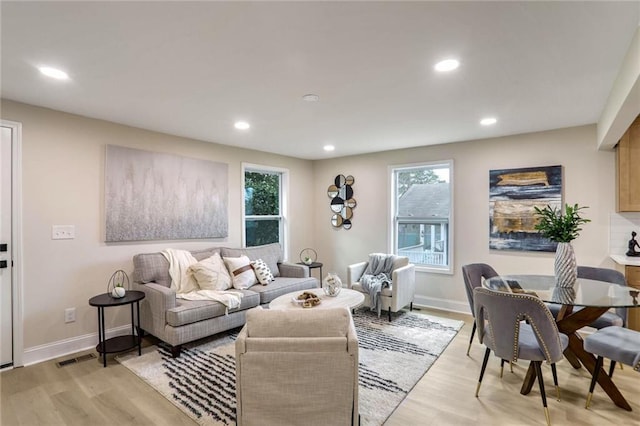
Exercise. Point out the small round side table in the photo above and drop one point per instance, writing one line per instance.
(313, 265)
(118, 343)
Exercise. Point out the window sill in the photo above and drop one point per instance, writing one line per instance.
(433, 270)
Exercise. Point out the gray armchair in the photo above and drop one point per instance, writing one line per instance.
(393, 298)
(297, 367)
(518, 326)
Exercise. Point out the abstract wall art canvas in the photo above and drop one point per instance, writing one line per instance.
(513, 194)
(155, 196)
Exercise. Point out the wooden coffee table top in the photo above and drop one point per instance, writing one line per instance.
(347, 298)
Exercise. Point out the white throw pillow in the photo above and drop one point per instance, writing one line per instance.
(211, 273)
(242, 274)
(262, 271)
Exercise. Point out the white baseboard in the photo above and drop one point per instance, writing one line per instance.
(60, 348)
(443, 304)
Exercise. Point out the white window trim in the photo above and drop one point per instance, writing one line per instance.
(284, 202)
(391, 234)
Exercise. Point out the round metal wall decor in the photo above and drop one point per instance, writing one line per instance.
(342, 201)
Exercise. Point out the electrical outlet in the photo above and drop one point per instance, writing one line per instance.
(69, 315)
(63, 232)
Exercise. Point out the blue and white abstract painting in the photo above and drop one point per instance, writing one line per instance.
(156, 196)
(513, 194)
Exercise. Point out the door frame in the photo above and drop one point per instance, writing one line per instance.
(17, 290)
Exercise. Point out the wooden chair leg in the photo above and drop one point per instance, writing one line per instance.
(473, 333)
(410, 306)
(536, 365)
(612, 368)
(594, 379)
(389, 313)
(484, 367)
(502, 361)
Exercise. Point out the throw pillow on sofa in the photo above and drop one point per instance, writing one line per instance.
(262, 271)
(211, 273)
(242, 274)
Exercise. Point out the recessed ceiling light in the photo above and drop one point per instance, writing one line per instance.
(311, 98)
(54, 73)
(241, 125)
(329, 148)
(488, 121)
(447, 65)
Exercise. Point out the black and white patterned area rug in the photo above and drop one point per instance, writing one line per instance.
(393, 357)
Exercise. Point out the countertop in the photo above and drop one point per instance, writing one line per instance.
(621, 259)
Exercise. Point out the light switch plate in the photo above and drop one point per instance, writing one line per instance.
(63, 232)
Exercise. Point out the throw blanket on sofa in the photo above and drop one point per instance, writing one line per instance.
(185, 285)
(376, 277)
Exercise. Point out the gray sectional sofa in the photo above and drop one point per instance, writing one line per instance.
(178, 321)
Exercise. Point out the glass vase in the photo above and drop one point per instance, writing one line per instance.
(332, 284)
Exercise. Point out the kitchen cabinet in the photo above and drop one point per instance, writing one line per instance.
(632, 274)
(628, 169)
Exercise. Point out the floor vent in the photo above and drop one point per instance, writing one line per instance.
(75, 360)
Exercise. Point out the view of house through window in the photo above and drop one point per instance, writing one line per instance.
(422, 213)
(263, 207)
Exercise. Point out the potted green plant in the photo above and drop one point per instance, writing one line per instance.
(562, 228)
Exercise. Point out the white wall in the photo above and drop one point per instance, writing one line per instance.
(588, 180)
(63, 184)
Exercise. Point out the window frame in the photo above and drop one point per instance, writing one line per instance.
(393, 219)
(284, 197)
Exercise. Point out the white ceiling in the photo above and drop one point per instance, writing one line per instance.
(193, 68)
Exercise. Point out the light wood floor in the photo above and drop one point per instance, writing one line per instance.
(87, 394)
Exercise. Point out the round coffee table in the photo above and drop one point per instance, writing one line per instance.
(347, 298)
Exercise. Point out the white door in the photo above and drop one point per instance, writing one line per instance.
(6, 247)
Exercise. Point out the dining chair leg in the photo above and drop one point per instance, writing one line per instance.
(502, 361)
(536, 366)
(612, 368)
(555, 379)
(484, 367)
(511, 366)
(594, 379)
(473, 333)
(389, 313)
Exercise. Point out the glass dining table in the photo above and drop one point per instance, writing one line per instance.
(580, 306)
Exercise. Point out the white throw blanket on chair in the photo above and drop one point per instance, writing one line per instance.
(185, 285)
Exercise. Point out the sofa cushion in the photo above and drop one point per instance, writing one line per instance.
(242, 275)
(332, 322)
(211, 273)
(270, 253)
(190, 311)
(283, 285)
(263, 273)
(154, 267)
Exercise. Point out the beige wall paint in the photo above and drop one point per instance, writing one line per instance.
(63, 184)
(588, 180)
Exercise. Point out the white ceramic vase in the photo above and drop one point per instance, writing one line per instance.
(118, 292)
(565, 267)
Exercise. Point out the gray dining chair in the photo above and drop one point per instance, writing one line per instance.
(473, 274)
(608, 319)
(616, 343)
(519, 326)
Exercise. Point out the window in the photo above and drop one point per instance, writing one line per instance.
(264, 215)
(421, 211)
